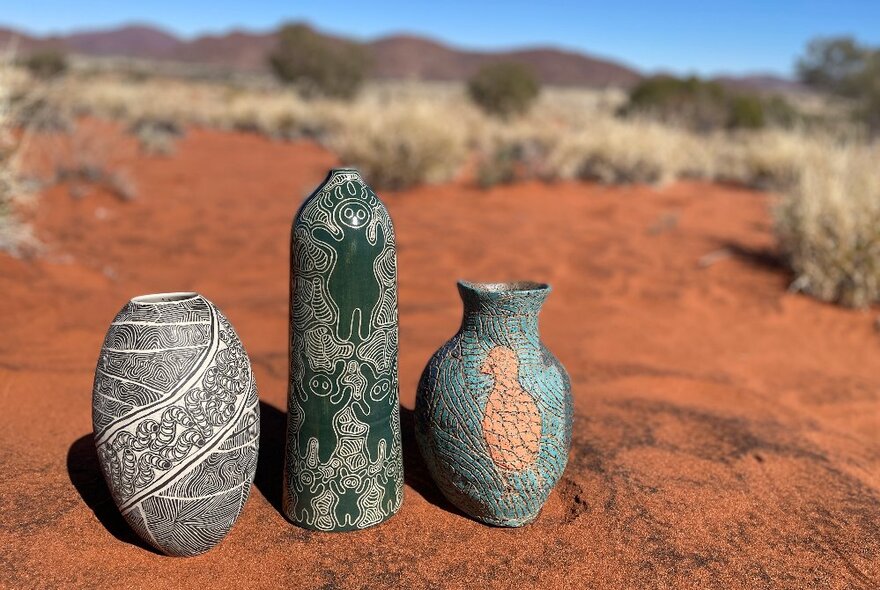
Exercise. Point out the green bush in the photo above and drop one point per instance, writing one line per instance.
(318, 65)
(746, 112)
(46, 64)
(835, 64)
(778, 112)
(690, 102)
(846, 68)
(704, 106)
(504, 89)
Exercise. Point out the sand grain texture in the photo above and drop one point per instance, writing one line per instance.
(725, 433)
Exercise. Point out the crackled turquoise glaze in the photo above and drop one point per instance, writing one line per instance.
(494, 409)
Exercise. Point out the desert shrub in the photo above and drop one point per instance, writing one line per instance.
(829, 227)
(46, 64)
(88, 158)
(568, 134)
(499, 166)
(39, 113)
(868, 111)
(836, 65)
(504, 89)
(690, 102)
(745, 112)
(512, 159)
(612, 151)
(156, 136)
(283, 116)
(399, 147)
(846, 68)
(503, 163)
(768, 159)
(82, 177)
(752, 111)
(319, 65)
(8, 167)
(705, 106)
(16, 236)
(779, 112)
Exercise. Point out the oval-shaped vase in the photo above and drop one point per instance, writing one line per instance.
(177, 421)
(343, 464)
(494, 410)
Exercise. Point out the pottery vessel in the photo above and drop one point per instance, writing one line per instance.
(493, 409)
(176, 420)
(343, 464)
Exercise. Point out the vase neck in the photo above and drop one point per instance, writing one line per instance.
(345, 173)
(502, 303)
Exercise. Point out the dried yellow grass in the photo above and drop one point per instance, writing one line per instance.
(829, 226)
(15, 237)
(398, 147)
(408, 133)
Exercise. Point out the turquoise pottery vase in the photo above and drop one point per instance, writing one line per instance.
(343, 464)
(494, 410)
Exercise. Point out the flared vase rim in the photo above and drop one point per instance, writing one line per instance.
(170, 298)
(507, 288)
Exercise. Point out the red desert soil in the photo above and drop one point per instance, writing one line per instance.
(725, 432)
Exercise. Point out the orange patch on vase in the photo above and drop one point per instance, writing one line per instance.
(512, 422)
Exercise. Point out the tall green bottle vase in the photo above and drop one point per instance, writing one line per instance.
(343, 464)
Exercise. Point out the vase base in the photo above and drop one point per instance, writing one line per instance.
(348, 529)
(508, 523)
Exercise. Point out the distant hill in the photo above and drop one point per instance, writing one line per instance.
(395, 57)
(760, 82)
(411, 57)
(131, 41)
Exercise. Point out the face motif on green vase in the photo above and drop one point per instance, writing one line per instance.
(353, 214)
(320, 385)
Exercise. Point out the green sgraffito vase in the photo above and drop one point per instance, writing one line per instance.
(343, 464)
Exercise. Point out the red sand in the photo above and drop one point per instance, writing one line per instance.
(725, 432)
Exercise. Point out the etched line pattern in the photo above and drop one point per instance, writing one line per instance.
(343, 362)
(176, 407)
(493, 414)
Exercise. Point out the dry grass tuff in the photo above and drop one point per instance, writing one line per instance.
(829, 226)
(402, 134)
(15, 236)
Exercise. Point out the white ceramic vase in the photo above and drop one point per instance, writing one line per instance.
(176, 420)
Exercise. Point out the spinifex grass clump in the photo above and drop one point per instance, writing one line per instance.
(829, 227)
(15, 236)
(402, 145)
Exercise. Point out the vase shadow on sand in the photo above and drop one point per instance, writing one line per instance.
(270, 462)
(270, 465)
(415, 472)
(85, 475)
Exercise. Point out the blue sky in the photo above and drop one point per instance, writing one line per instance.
(680, 36)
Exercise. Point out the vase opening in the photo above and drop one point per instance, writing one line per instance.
(512, 298)
(160, 298)
(512, 287)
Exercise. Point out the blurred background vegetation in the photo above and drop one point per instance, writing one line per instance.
(814, 143)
